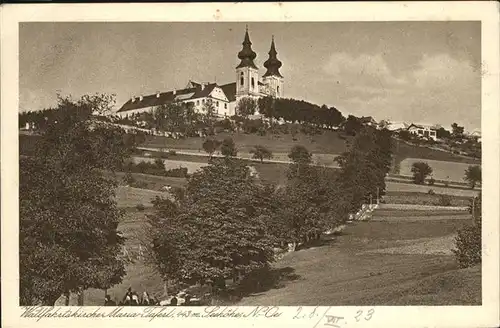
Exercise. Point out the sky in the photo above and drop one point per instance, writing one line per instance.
(422, 72)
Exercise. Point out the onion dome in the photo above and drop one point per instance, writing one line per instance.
(247, 55)
(273, 64)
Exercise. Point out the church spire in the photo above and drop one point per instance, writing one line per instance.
(247, 55)
(273, 64)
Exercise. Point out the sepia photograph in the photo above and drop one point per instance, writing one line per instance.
(216, 164)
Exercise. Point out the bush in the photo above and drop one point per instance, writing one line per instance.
(128, 179)
(172, 152)
(181, 172)
(468, 240)
(431, 192)
(140, 207)
(431, 181)
(468, 246)
(444, 200)
(420, 171)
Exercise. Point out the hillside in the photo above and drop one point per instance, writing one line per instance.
(330, 142)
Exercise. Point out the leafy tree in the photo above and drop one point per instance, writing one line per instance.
(209, 113)
(220, 229)
(468, 240)
(68, 215)
(247, 106)
(261, 152)
(421, 171)
(473, 175)
(228, 148)
(210, 146)
(442, 133)
(457, 131)
(300, 155)
(352, 125)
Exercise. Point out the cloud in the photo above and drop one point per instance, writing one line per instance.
(439, 88)
(443, 71)
(362, 70)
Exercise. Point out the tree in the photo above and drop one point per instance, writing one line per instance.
(247, 106)
(68, 214)
(261, 152)
(421, 171)
(220, 229)
(442, 133)
(228, 148)
(352, 125)
(457, 131)
(209, 113)
(300, 155)
(468, 240)
(473, 175)
(210, 146)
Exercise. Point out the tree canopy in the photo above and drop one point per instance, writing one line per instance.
(68, 214)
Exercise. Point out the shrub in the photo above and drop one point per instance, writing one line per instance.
(445, 200)
(140, 207)
(431, 192)
(172, 152)
(420, 171)
(431, 181)
(468, 239)
(181, 172)
(128, 178)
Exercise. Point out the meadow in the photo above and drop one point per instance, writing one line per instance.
(441, 170)
(377, 262)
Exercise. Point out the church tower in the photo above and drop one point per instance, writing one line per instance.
(247, 74)
(273, 79)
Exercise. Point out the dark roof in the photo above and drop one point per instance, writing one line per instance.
(366, 119)
(183, 94)
(247, 55)
(273, 64)
(230, 91)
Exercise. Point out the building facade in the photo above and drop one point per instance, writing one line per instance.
(223, 97)
(423, 131)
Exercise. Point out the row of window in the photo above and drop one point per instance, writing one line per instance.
(216, 103)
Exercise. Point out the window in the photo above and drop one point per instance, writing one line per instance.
(225, 106)
(278, 90)
(426, 133)
(242, 81)
(253, 83)
(197, 102)
(217, 103)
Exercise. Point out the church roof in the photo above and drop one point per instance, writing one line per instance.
(230, 91)
(273, 64)
(247, 55)
(180, 95)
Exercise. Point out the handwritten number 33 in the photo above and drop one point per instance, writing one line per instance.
(367, 317)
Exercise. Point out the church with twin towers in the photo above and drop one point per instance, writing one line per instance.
(224, 97)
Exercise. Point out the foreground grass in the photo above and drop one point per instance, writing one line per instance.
(343, 273)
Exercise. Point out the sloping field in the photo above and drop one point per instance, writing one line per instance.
(410, 187)
(394, 197)
(441, 170)
(329, 142)
(354, 270)
(130, 197)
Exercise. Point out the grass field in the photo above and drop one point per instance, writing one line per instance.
(371, 263)
(351, 271)
(441, 170)
(419, 198)
(410, 187)
(130, 197)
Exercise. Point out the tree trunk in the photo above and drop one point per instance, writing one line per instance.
(66, 298)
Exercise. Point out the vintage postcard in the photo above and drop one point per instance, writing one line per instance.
(250, 164)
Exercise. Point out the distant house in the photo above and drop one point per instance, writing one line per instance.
(368, 120)
(396, 126)
(476, 134)
(423, 131)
